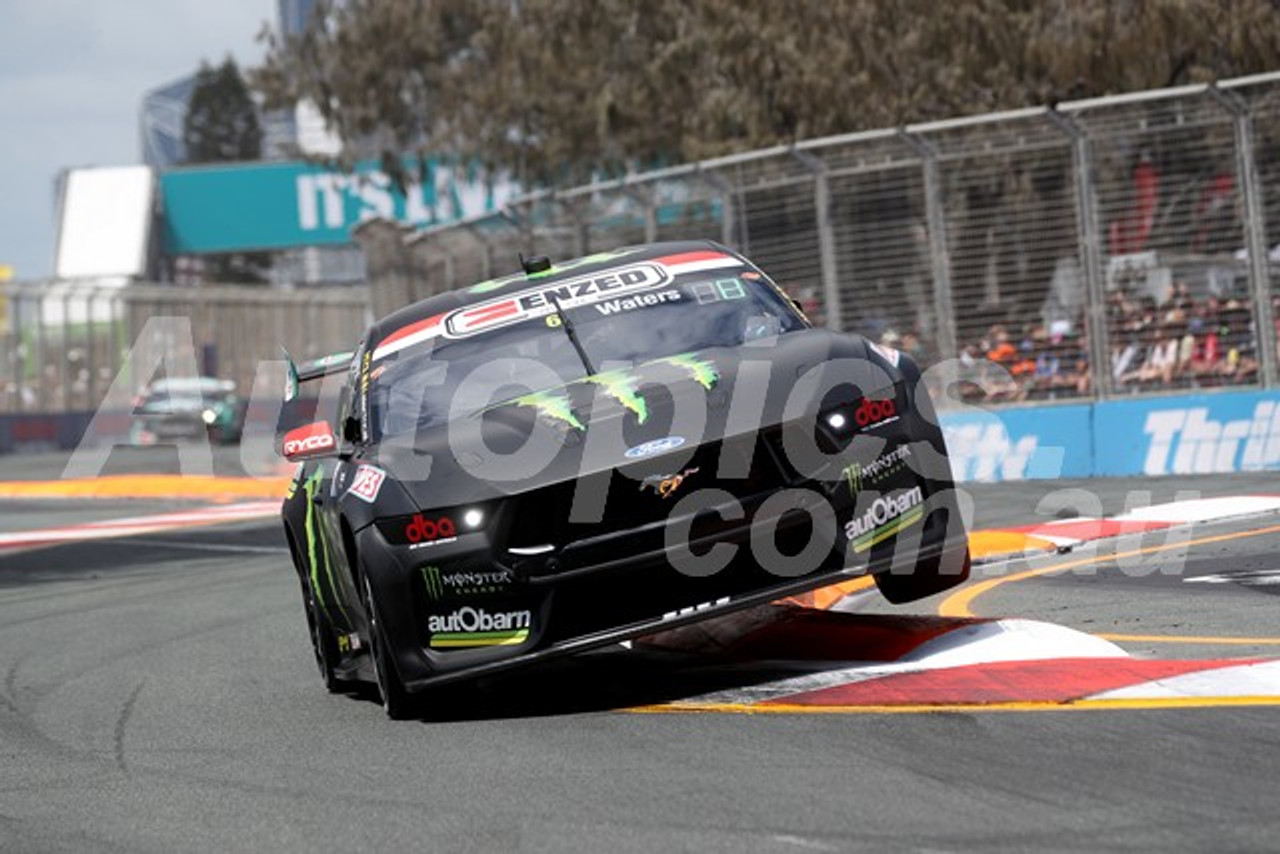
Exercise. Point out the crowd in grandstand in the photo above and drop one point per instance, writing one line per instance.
(1180, 343)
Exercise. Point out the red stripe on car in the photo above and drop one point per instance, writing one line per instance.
(690, 257)
(412, 328)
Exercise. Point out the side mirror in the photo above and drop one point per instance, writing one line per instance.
(309, 442)
(351, 429)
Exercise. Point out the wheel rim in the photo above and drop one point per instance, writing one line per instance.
(375, 642)
(317, 640)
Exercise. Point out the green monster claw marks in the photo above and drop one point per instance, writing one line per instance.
(315, 531)
(853, 477)
(554, 406)
(431, 578)
(704, 372)
(621, 386)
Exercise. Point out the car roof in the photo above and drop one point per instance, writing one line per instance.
(560, 271)
(190, 385)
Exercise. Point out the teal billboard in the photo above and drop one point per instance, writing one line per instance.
(250, 206)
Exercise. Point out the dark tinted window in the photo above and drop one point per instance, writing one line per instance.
(420, 386)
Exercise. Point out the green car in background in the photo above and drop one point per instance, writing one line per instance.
(186, 408)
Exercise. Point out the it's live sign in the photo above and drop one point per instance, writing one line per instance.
(242, 207)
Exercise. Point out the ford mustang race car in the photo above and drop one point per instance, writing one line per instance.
(585, 453)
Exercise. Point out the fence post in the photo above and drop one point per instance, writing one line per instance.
(1091, 255)
(18, 363)
(645, 200)
(939, 256)
(581, 238)
(486, 249)
(728, 209)
(1255, 233)
(450, 274)
(64, 363)
(833, 309)
(91, 345)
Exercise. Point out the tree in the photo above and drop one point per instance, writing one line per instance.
(221, 126)
(556, 91)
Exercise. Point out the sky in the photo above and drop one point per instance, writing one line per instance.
(72, 77)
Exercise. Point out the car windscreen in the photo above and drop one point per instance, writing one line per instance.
(450, 377)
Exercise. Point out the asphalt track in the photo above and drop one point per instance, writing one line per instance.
(157, 694)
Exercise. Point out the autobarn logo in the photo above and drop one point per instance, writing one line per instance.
(875, 413)
(540, 301)
(886, 516)
(471, 627)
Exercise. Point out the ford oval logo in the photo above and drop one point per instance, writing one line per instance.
(656, 446)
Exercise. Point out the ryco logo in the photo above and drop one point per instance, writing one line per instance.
(312, 437)
(421, 530)
(872, 413)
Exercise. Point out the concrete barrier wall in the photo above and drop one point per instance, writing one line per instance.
(1220, 432)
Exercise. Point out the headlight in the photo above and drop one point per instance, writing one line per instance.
(209, 416)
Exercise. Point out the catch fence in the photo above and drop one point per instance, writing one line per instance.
(1096, 249)
(65, 343)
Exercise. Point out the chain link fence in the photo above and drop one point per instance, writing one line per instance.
(65, 343)
(1098, 249)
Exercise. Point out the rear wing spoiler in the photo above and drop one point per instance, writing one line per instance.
(334, 363)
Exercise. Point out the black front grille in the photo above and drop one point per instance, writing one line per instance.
(640, 497)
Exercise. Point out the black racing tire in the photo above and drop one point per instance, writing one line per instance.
(397, 702)
(926, 580)
(323, 642)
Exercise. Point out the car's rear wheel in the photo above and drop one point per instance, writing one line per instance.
(927, 578)
(323, 643)
(396, 701)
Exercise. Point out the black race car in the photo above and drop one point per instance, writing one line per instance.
(606, 448)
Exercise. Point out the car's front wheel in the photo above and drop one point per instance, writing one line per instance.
(934, 575)
(396, 701)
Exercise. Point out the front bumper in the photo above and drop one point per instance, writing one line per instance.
(465, 606)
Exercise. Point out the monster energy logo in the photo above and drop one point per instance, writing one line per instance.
(856, 475)
(853, 476)
(431, 577)
(465, 581)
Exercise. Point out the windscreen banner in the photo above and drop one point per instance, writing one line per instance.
(256, 206)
